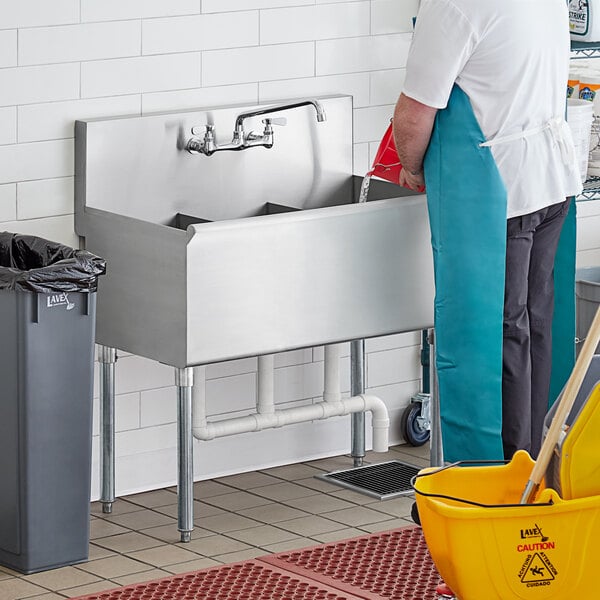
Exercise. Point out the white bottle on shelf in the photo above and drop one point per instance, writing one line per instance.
(584, 20)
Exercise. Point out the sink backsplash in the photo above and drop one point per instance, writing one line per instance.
(139, 166)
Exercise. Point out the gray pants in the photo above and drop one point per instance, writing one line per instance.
(532, 241)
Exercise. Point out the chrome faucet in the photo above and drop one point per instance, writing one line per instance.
(242, 140)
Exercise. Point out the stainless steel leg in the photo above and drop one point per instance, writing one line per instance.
(184, 380)
(357, 387)
(107, 357)
(437, 452)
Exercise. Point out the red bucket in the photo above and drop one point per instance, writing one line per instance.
(386, 164)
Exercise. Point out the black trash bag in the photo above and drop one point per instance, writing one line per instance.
(33, 264)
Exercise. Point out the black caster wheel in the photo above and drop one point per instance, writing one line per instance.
(414, 513)
(413, 432)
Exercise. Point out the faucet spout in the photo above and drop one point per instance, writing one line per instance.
(242, 140)
(279, 107)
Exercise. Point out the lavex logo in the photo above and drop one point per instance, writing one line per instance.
(59, 300)
(535, 532)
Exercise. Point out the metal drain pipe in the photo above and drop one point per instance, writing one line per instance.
(267, 417)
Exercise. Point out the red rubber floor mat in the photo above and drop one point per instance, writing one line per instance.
(248, 580)
(394, 564)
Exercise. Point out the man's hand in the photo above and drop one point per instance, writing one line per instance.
(413, 123)
(413, 182)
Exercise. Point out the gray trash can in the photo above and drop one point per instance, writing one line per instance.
(588, 300)
(47, 327)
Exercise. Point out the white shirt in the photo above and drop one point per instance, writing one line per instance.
(512, 59)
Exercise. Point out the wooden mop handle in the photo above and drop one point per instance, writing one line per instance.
(566, 403)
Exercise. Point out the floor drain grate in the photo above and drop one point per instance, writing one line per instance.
(383, 480)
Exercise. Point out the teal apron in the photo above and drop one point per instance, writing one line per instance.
(467, 212)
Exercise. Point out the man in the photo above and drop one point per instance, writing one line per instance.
(507, 62)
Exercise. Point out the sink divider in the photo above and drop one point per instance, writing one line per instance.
(182, 221)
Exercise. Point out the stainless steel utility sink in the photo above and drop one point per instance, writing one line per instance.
(247, 252)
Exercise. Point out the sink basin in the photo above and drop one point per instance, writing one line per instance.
(249, 252)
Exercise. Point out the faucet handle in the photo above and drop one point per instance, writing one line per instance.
(198, 129)
(202, 144)
(277, 121)
(268, 131)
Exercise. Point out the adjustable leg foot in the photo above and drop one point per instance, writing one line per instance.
(186, 536)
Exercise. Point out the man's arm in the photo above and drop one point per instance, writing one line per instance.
(413, 123)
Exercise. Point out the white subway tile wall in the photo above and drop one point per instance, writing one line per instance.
(141, 74)
(243, 93)
(386, 18)
(114, 10)
(44, 198)
(226, 395)
(361, 158)
(8, 202)
(588, 226)
(36, 160)
(35, 13)
(24, 85)
(158, 407)
(73, 43)
(8, 125)
(200, 32)
(385, 85)
(56, 120)
(304, 23)
(258, 63)
(212, 6)
(70, 59)
(370, 53)
(60, 229)
(8, 48)
(369, 119)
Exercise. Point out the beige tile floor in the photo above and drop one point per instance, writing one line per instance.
(236, 518)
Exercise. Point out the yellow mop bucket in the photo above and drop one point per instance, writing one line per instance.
(486, 545)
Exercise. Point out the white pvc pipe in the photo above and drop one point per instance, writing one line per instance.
(301, 414)
(331, 388)
(199, 399)
(267, 417)
(265, 395)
